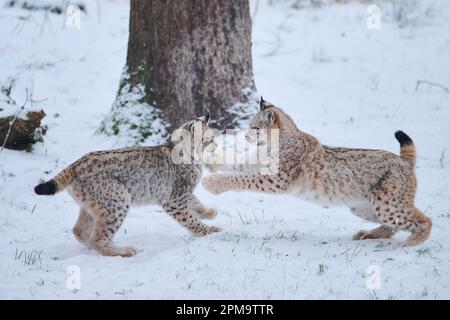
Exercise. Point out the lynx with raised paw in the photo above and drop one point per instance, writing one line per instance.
(376, 185)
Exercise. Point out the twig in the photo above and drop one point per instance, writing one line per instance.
(441, 160)
(16, 115)
(22, 21)
(433, 84)
(255, 12)
(276, 47)
(28, 99)
(45, 21)
(30, 257)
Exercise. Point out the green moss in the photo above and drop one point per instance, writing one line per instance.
(140, 74)
(116, 123)
(131, 116)
(145, 132)
(122, 83)
(115, 128)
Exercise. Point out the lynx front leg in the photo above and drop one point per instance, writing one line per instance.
(201, 210)
(179, 209)
(218, 183)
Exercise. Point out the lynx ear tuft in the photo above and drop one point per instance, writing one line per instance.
(261, 104)
(207, 118)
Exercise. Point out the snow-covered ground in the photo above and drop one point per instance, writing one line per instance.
(346, 84)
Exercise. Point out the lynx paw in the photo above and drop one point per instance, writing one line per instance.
(208, 214)
(207, 231)
(114, 251)
(361, 235)
(128, 251)
(213, 168)
(214, 230)
(213, 184)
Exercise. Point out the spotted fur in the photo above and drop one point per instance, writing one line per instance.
(107, 183)
(376, 185)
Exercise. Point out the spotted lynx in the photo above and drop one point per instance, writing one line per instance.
(376, 185)
(107, 183)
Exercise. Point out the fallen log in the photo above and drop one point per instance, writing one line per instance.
(21, 134)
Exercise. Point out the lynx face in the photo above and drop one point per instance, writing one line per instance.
(262, 123)
(195, 138)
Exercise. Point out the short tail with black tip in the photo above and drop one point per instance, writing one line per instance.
(407, 148)
(58, 183)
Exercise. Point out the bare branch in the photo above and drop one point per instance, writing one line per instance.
(255, 11)
(16, 115)
(9, 100)
(276, 47)
(441, 160)
(433, 84)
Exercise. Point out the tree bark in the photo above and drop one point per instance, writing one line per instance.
(189, 57)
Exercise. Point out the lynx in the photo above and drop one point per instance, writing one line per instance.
(107, 183)
(376, 185)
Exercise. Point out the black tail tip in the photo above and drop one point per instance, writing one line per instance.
(403, 138)
(46, 188)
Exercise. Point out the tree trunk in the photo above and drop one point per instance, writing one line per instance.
(185, 58)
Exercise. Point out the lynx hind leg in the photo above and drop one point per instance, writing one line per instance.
(394, 207)
(382, 232)
(420, 228)
(202, 211)
(367, 212)
(84, 226)
(178, 208)
(109, 207)
(107, 223)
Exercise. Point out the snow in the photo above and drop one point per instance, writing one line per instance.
(340, 81)
(132, 121)
(245, 110)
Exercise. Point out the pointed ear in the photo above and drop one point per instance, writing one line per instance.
(207, 118)
(262, 104)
